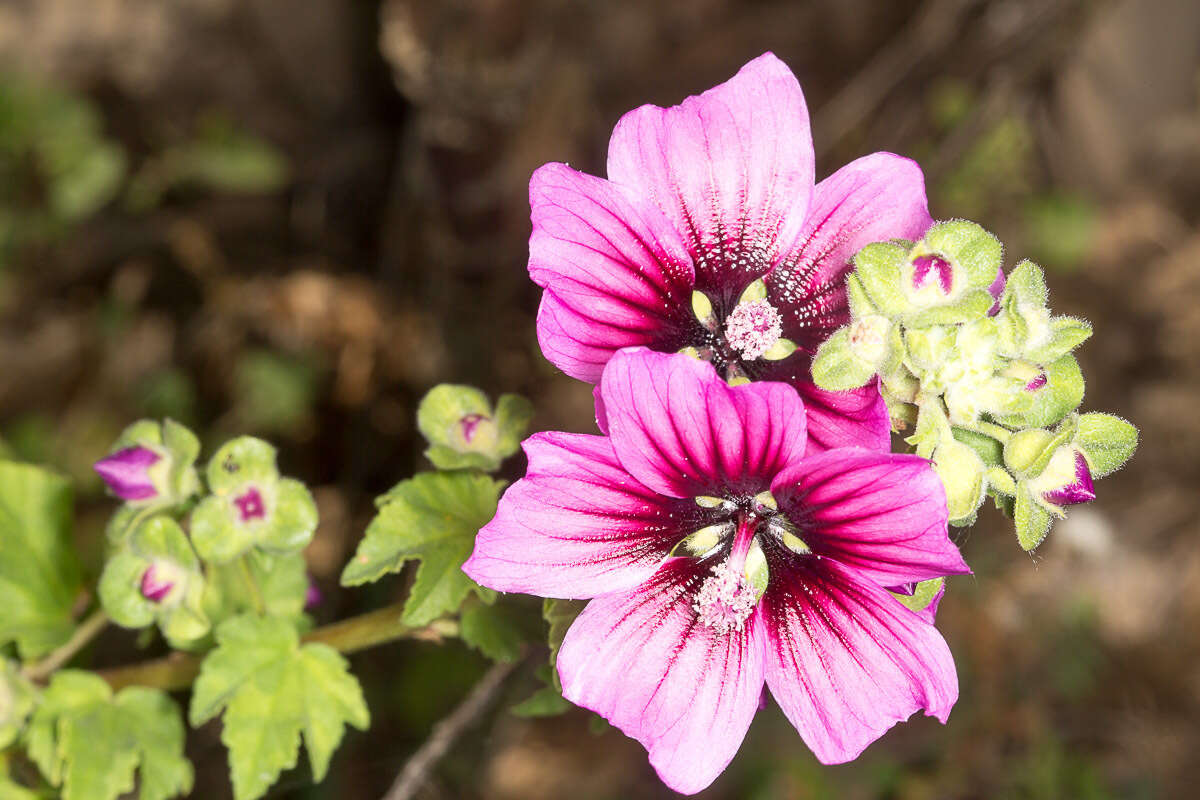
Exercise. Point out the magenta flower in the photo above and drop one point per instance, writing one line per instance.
(709, 236)
(127, 473)
(721, 558)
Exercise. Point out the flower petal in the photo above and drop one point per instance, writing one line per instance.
(619, 273)
(732, 167)
(681, 430)
(854, 418)
(644, 662)
(577, 525)
(882, 514)
(873, 199)
(845, 660)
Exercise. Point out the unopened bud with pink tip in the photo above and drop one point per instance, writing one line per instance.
(127, 473)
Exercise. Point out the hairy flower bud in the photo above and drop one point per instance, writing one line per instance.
(127, 472)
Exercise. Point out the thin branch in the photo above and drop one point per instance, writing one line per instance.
(179, 670)
(89, 629)
(416, 770)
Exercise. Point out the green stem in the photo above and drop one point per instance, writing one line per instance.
(179, 670)
(89, 629)
(256, 597)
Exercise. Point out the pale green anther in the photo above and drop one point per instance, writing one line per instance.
(702, 308)
(780, 350)
(766, 500)
(794, 543)
(755, 291)
(689, 351)
(706, 501)
(702, 542)
(738, 380)
(756, 569)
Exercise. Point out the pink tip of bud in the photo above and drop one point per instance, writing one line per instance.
(924, 266)
(127, 472)
(1081, 490)
(995, 290)
(1037, 383)
(468, 424)
(312, 596)
(250, 505)
(155, 589)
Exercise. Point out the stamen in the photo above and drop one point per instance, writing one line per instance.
(726, 599)
(753, 328)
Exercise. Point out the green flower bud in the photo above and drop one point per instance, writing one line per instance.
(156, 578)
(152, 465)
(463, 431)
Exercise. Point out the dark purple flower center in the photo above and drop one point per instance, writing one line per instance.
(250, 505)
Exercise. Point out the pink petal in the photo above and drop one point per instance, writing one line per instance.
(732, 167)
(577, 525)
(681, 430)
(846, 661)
(882, 514)
(643, 661)
(877, 197)
(854, 418)
(616, 272)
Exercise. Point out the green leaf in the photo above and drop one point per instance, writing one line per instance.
(560, 614)
(17, 698)
(836, 367)
(39, 574)
(545, 702)
(90, 744)
(922, 595)
(432, 517)
(1107, 441)
(273, 691)
(495, 630)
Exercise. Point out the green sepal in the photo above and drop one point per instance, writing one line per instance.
(1026, 286)
(969, 246)
(860, 302)
(1107, 442)
(989, 450)
(1031, 520)
(39, 571)
(1061, 394)
(559, 616)
(159, 544)
(90, 744)
(878, 267)
(494, 436)
(836, 367)
(174, 475)
(273, 690)
(1066, 333)
(240, 461)
(433, 517)
(17, 699)
(973, 305)
(999, 480)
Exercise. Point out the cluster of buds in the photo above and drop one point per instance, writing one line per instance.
(185, 552)
(977, 363)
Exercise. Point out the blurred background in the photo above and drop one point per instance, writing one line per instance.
(292, 217)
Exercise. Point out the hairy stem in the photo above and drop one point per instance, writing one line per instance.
(179, 670)
(89, 629)
(416, 770)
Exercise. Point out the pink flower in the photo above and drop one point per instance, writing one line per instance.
(709, 197)
(721, 558)
(127, 473)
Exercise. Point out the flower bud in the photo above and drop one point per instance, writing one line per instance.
(463, 430)
(127, 472)
(157, 582)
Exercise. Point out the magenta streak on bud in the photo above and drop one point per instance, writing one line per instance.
(923, 265)
(995, 290)
(126, 472)
(153, 589)
(469, 423)
(312, 595)
(752, 328)
(1037, 382)
(1080, 491)
(250, 505)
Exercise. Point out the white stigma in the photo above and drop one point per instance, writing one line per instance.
(725, 600)
(752, 328)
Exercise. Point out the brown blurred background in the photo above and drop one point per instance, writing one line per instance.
(292, 217)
